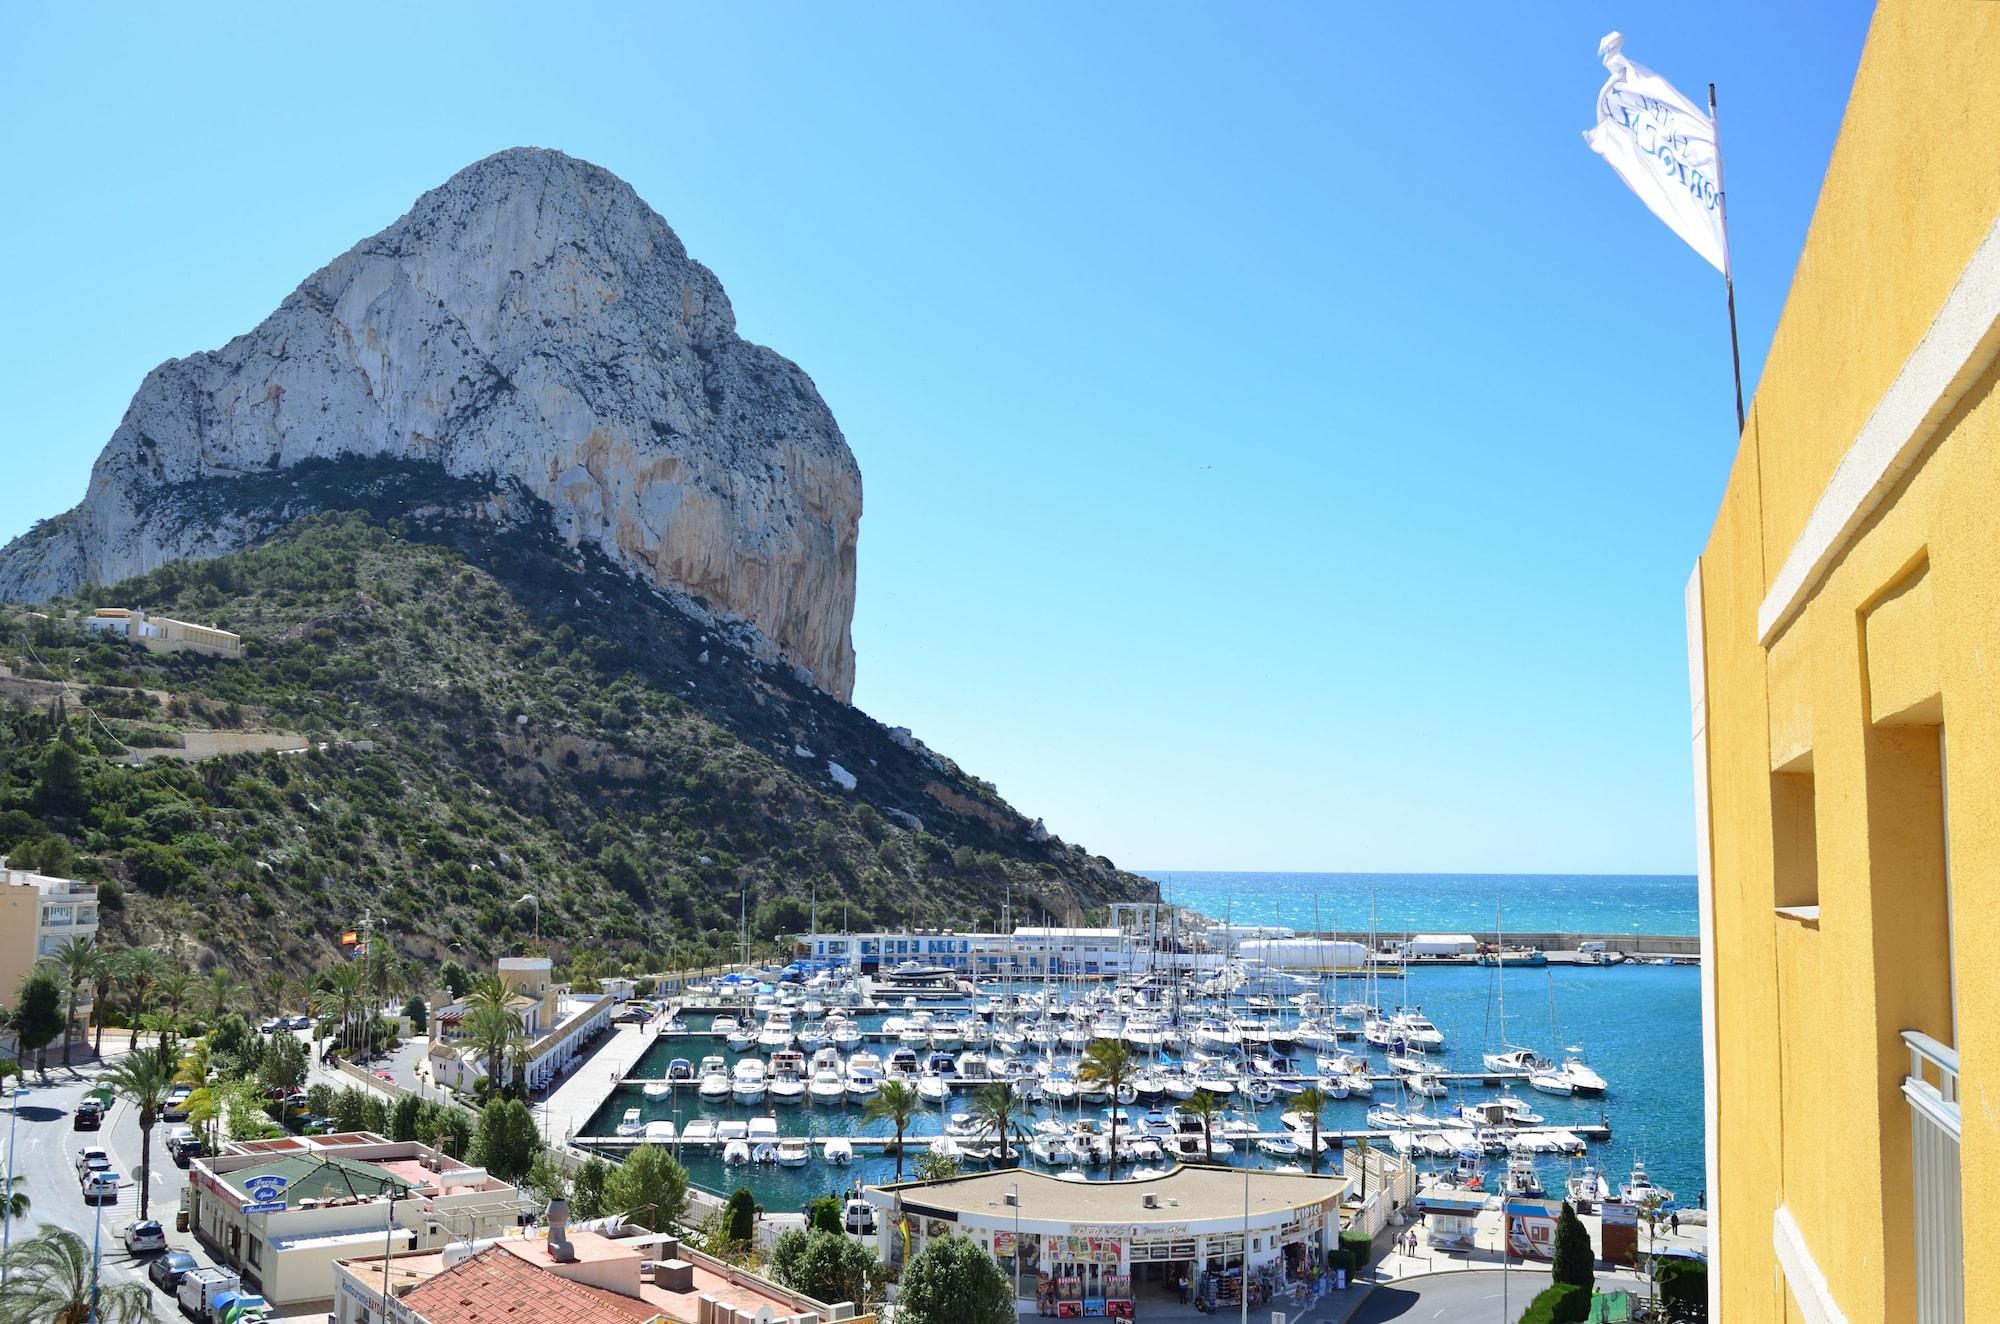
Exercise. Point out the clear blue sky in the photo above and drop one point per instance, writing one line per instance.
(1285, 443)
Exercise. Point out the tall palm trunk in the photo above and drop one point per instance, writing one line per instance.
(146, 1120)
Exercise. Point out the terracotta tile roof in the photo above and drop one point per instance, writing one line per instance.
(494, 1287)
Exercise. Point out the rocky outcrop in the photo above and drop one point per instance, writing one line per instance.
(534, 323)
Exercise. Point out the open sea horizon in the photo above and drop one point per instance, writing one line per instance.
(1440, 902)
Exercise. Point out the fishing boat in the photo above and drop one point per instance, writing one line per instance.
(1639, 1189)
(1521, 1178)
(1587, 1188)
(629, 1124)
(777, 1034)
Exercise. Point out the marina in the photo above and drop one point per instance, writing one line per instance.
(768, 1084)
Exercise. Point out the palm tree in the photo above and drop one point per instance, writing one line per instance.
(49, 1281)
(145, 1076)
(17, 1203)
(221, 992)
(998, 1109)
(1312, 1102)
(110, 968)
(492, 1032)
(273, 986)
(341, 996)
(899, 1103)
(141, 968)
(175, 988)
(1361, 1151)
(1109, 1062)
(75, 962)
(1205, 1107)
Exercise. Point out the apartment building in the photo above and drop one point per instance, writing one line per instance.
(1844, 635)
(1026, 952)
(38, 914)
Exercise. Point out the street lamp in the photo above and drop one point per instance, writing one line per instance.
(97, 1241)
(7, 1192)
(1015, 1188)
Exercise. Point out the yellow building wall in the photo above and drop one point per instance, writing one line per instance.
(1903, 635)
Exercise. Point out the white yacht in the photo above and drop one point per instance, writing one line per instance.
(629, 1124)
(826, 1086)
(699, 1131)
(715, 1085)
(1415, 1029)
(840, 1151)
(864, 1076)
(1583, 1078)
(793, 1152)
(659, 1133)
(749, 1081)
(787, 1083)
(931, 1088)
(777, 1034)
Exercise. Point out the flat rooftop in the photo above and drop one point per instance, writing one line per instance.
(1188, 1192)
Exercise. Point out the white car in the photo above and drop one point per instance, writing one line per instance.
(100, 1186)
(91, 1160)
(146, 1238)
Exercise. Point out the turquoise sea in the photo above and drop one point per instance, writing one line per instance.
(1441, 902)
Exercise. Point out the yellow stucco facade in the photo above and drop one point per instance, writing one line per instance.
(1844, 624)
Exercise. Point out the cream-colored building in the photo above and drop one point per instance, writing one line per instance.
(559, 1024)
(38, 914)
(280, 1212)
(163, 634)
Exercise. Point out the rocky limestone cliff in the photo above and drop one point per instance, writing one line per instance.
(531, 322)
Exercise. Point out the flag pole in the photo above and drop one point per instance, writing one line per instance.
(1728, 281)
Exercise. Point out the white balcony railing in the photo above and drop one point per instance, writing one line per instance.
(1932, 1090)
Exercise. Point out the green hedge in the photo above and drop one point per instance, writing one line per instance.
(1563, 1303)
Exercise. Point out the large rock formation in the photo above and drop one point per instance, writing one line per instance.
(531, 321)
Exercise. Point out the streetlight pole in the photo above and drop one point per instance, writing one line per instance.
(1243, 1294)
(96, 1247)
(1015, 1187)
(7, 1192)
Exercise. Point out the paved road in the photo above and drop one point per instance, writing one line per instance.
(45, 1153)
(1448, 1298)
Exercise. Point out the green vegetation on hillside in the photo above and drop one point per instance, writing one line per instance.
(492, 716)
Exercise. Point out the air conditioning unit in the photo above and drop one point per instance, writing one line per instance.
(1012, 1197)
(1151, 1200)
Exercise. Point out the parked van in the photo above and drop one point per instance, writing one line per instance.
(200, 1289)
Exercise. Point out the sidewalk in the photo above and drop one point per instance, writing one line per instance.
(564, 1112)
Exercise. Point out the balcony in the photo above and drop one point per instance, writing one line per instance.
(1932, 1091)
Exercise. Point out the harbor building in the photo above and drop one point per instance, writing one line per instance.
(38, 914)
(560, 1026)
(1028, 952)
(163, 634)
(280, 1212)
(1843, 639)
(1098, 1247)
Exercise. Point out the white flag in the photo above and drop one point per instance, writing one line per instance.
(1663, 147)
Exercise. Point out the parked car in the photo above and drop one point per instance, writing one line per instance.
(176, 1107)
(860, 1216)
(91, 1159)
(89, 1116)
(299, 1023)
(275, 1024)
(167, 1271)
(145, 1238)
(183, 1145)
(100, 1188)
